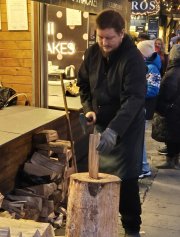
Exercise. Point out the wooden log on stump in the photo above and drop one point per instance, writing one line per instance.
(93, 206)
(93, 202)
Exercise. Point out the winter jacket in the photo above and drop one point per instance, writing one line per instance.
(168, 104)
(153, 83)
(114, 88)
(153, 75)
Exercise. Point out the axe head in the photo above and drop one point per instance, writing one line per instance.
(83, 121)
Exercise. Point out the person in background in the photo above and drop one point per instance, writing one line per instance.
(168, 105)
(153, 76)
(142, 36)
(178, 30)
(160, 49)
(112, 81)
(175, 38)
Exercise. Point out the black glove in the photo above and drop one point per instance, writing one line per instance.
(107, 141)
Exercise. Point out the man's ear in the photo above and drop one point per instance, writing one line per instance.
(122, 33)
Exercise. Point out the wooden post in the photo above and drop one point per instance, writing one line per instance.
(93, 205)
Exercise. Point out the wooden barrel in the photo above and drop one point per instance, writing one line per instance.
(93, 206)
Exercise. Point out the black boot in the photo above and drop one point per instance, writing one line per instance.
(176, 162)
(132, 235)
(169, 164)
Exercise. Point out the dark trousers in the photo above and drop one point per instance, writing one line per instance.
(130, 206)
(173, 148)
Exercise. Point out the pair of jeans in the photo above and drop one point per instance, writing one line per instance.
(130, 205)
(145, 164)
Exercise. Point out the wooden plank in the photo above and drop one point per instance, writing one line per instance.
(5, 53)
(30, 120)
(16, 71)
(15, 79)
(27, 227)
(15, 62)
(5, 232)
(16, 35)
(12, 44)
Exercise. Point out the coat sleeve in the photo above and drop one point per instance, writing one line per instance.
(132, 95)
(84, 84)
(168, 90)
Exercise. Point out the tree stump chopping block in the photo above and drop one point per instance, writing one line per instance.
(93, 206)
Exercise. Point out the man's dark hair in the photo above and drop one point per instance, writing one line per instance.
(110, 19)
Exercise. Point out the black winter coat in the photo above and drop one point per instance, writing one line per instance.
(168, 103)
(115, 89)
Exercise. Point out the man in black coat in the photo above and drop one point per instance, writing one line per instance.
(112, 81)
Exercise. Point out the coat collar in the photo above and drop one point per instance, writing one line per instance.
(126, 44)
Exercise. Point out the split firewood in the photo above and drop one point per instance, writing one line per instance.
(52, 147)
(47, 153)
(64, 143)
(43, 190)
(66, 155)
(1, 199)
(39, 159)
(45, 136)
(37, 234)
(58, 221)
(68, 171)
(39, 170)
(62, 210)
(14, 207)
(57, 198)
(44, 211)
(5, 232)
(28, 200)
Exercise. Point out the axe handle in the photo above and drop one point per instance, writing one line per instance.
(69, 124)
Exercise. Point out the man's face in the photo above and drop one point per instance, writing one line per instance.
(109, 39)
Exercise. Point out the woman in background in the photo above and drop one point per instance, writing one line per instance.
(168, 105)
(160, 49)
(153, 78)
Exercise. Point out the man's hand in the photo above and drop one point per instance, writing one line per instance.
(91, 118)
(107, 141)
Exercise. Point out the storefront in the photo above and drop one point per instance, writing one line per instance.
(145, 18)
(64, 30)
(27, 59)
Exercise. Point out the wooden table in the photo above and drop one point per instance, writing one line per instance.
(17, 126)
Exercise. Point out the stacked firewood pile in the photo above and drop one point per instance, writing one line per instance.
(41, 191)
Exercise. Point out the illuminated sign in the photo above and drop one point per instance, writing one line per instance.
(64, 48)
(145, 7)
(94, 6)
(92, 3)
